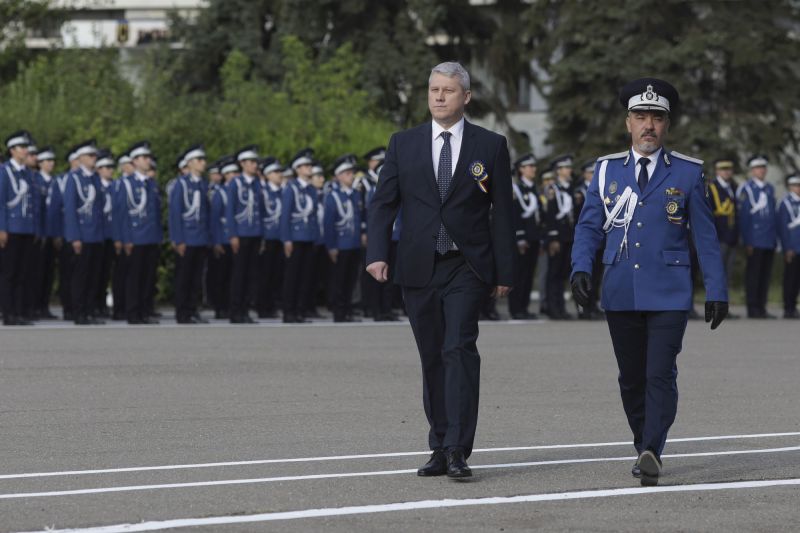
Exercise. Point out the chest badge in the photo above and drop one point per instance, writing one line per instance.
(672, 208)
(612, 188)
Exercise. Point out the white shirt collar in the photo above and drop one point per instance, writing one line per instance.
(249, 179)
(273, 187)
(139, 176)
(303, 183)
(795, 197)
(16, 165)
(106, 182)
(194, 179)
(652, 157)
(527, 182)
(759, 183)
(85, 171)
(346, 190)
(457, 130)
(47, 177)
(723, 183)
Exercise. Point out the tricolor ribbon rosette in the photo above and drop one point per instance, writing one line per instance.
(478, 172)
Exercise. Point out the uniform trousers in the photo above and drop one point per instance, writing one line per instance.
(15, 267)
(297, 279)
(118, 284)
(189, 281)
(728, 253)
(269, 276)
(43, 275)
(646, 345)
(219, 280)
(757, 275)
(520, 297)
(343, 281)
(141, 280)
(244, 270)
(444, 318)
(106, 268)
(65, 258)
(85, 277)
(558, 269)
(791, 284)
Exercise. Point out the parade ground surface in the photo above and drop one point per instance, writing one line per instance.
(316, 427)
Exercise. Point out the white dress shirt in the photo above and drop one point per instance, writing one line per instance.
(651, 166)
(457, 131)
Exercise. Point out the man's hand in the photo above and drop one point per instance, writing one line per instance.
(235, 245)
(500, 291)
(117, 247)
(219, 250)
(334, 255)
(77, 246)
(181, 249)
(288, 248)
(789, 256)
(716, 313)
(3, 239)
(379, 270)
(128, 248)
(523, 247)
(553, 248)
(581, 288)
(748, 250)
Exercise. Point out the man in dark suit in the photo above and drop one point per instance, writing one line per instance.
(448, 176)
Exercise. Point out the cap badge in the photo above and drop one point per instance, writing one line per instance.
(649, 94)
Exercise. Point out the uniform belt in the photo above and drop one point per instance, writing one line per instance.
(449, 255)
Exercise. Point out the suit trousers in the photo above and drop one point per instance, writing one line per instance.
(791, 284)
(444, 319)
(646, 345)
(15, 267)
(141, 282)
(244, 270)
(343, 281)
(85, 277)
(188, 281)
(297, 278)
(519, 299)
(381, 295)
(757, 275)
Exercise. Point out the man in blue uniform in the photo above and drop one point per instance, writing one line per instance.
(219, 264)
(343, 237)
(105, 170)
(644, 203)
(299, 232)
(44, 269)
(120, 273)
(527, 217)
(789, 233)
(19, 223)
(243, 215)
(271, 259)
(138, 205)
(189, 233)
(83, 232)
(756, 216)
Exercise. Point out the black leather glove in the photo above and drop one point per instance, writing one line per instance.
(581, 288)
(716, 313)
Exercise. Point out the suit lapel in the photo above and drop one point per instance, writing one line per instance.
(464, 157)
(659, 174)
(427, 148)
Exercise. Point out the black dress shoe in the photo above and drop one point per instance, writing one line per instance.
(45, 314)
(436, 465)
(149, 320)
(792, 314)
(82, 321)
(135, 321)
(518, 316)
(94, 321)
(248, 320)
(457, 465)
(289, 319)
(650, 468)
(636, 471)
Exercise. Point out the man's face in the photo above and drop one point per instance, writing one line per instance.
(87, 161)
(725, 173)
(795, 189)
(318, 181)
(215, 178)
(31, 160)
(19, 153)
(759, 172)
(127, 169)
(528, 171)
(105, 172)
(588, 175)
(275, 178)
(648, 130)
(249, 166)
(197, 166)
(303, 171)
(47, 166)
(447, 99)
(229, 176)
(372, 164)
(346, 178)
(564, 173)
(142, 163)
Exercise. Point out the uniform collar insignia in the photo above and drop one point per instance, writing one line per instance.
(666, 158)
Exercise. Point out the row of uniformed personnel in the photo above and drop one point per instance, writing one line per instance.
(270, 233)
(746, 215)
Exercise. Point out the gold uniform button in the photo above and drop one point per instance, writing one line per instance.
(638, 245)
(638, 224)
(641, 204)
(636, 266)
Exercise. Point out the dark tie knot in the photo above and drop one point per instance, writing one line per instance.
(644, 161)
(446, 135)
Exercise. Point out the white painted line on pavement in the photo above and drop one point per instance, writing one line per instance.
(427, 504)
(252, 481)
(376, 456)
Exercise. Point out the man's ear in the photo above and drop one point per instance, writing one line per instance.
(467, 97)
(628, 122)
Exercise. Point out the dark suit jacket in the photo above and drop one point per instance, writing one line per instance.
(481, 224)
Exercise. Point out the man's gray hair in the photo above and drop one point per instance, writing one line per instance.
(452, 69)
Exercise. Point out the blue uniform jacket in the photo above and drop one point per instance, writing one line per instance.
(83, 208)
(54, 218)
(299, 213)
(244, 209)
(189, 212)
(723, 207)
(789, 223)
(137, 207)
(757, 226)
(19, 201)
(273, 206)
(45, 194)
(651, 273)
(218, 224)
(108, 189)
(320, 240)
(344, 212)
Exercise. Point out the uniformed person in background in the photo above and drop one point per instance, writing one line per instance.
(45, 261)
(271, 258)
(189, 217)
(105, 170)
(643, 203)
(220, 262)
(243, 215)
(320, 262)
(559, 228)
(789, 233)
(19, 224)
(722, 191)
(56, 223)
(756, 218)
(528, 233)
(344, 237)
(84, 232)
(120, 273)
(138, 206)
(592, 311)
(299, 232)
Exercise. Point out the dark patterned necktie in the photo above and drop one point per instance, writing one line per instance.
(643, 177)
(444, 176)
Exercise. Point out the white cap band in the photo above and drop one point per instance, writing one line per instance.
(85, 150)
(142, 150)
(247, 154)
(648, 101)
(758, 162)
(300, 161)
(18, 141)
(230, 167)
(194, 154)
